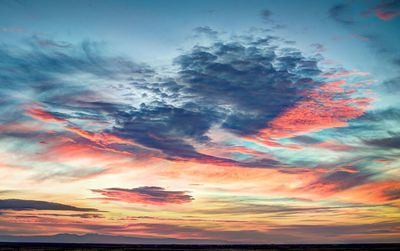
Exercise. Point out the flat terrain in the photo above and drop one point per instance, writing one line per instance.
(56, 247)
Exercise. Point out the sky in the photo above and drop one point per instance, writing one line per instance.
(200, 121)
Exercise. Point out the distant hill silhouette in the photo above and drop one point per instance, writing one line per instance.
(104, 239)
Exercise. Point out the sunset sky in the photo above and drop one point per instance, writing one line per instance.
(200, 121)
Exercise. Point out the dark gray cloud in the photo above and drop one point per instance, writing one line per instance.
(17, 205)
(392, 194)
(306, 139)
(165, 121)
(391, 113)
(165, 128)
(146, 195)
(392, 85)
(206, 30)
(341, 13)
(238, 85)
(266, 15)
(389, 142)
(83, 216)
(254, 82)
(340, 181)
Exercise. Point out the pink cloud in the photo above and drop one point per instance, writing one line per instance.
(330, 62)
(43, 115)
(388, 15)
(383, 161)
(328, 106)
(344, 74)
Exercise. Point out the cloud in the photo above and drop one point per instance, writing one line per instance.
(388, 15)
(266, 15)
(304, 139)
(146, 195)
(54, 79)
(267, 92)
(239, 86)
(158, 233)
(12, 29)
(47, 42)
(248, 87)
(389, 142)
(45, 116)
(278, 211)
(341, 13)
(166, 130)
(237, 79)
(333, 145)
(336, 74)
(383, 9)
(206, 30)
(392, 194)
(319, 112)
(392, 85)
(97, 113)
(379, 115)
(346, 13)
(83, 216)
(17, 205)
(318, 47)
(134, 129)
(387, 9)
(339, 181)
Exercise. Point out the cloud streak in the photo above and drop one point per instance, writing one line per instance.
(146, 195)
(18, 205)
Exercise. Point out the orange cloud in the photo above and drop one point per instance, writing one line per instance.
(43, 116)
(104, 138)
(325, 108)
